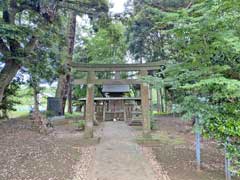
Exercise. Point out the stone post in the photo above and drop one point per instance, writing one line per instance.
(90, 105)
(145, 106)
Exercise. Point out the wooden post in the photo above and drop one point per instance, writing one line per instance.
(227, 164)
(90, 105)
(198, 150)
(198, 144)
(145, 106)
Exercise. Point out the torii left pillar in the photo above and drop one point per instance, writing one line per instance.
(88, 133)
(145, 106)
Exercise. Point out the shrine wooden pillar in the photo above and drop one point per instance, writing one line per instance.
(88, 133)
(124, 111)
(150, 99)
(163, 99)
(159, 109)
(104, 110)
(145, 106)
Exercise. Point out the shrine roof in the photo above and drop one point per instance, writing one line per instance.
(115, 88)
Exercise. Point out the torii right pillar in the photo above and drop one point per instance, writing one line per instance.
(145, 106)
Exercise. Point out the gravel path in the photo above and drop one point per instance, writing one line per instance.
(118, 157)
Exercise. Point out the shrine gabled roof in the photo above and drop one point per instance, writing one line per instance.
(115, 88)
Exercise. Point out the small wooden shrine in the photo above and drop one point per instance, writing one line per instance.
(115, 106)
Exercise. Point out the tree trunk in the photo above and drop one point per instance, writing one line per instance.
(64, 88)
(60, 92)
(71, 41)
(6, 75)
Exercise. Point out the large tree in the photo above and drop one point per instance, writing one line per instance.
(64, 91)
(23, 22)
(18, 37)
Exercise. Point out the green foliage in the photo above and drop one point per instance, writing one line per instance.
(208, 38)
(201, 44)
(146, 38)
(45, 65)
(72, 116)
(219, 110)
(80, 124)
(108, 45)
(155, 82)
(219, 89)
(31, 33)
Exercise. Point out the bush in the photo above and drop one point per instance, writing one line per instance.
(73, 115)
(80, 125)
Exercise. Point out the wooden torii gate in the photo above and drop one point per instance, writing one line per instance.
(91, 81)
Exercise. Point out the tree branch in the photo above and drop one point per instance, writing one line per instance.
(189, 5)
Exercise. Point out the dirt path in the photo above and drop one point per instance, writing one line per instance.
(118, 157)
